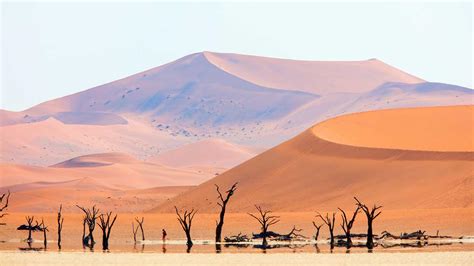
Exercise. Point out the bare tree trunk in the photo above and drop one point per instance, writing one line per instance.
(90, 219)
(134, 231)
(347, 224)
(60, 225)
(106, 226)
(5, 205)
(44, 228)
(29, 221)
(140, 224)
(371, 215)
(330, 223)
(29, 239)
(318, 227)
(370, 236)
(265, 221)
(185, 221)
(84, 232)
(223, 204)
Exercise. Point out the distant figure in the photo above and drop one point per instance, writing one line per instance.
(164, 234)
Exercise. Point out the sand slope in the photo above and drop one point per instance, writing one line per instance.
(319, 77)
(309, 173)
(211, 153)
(115, 180)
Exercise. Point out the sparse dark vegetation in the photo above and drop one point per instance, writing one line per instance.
(371, 215)
(347, 224)
(90, 217)
(4, 199)
(185, 221)
(330, 224)
(106, 225)
(223, 204)
(60, 225)
(265, 220)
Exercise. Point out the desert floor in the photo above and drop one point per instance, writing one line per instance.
(78, 258)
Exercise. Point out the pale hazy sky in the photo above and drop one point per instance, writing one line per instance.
(53, 49)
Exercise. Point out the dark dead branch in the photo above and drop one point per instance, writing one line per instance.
(185, 221)
(347, 224)
(89, 220)
(237, 238)
(330, 224)
(222, 202)
(106, 225)
(318, 227)
(371, 214)
(4, 204)
(60, 225)
(265, 220)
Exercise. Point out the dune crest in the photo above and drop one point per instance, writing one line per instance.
(428, 129)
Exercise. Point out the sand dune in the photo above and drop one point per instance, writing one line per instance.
(45, 197)
(319, 77)
(309, 173)
(112, 180)
(211, 152)
(253, 101)
(428, 129)
(110, 169)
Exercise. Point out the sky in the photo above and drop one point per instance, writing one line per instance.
(52, 49)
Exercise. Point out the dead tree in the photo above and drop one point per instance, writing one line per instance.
(371, 215)
(223, 204)
(330, 223)
(185, 221)
(134, 231)
(237, 238)
(89, 219)
(84, 221)
(293, 234)
(60, 225)
(30, 227)
(265, 221)
(347, 224)
(5, 205)
(140, 225)
(44, 228)
(29, 221)
(318, 227)
(106, 226)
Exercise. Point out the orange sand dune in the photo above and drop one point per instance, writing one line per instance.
(428, 129)
(308, 173)
(117, 181)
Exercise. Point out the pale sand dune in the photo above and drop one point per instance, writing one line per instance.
(308, 173)
(210, 152)
(319, 77)
(80, 258)
(50, 141)
(131, 174)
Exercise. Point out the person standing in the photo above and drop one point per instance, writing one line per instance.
(164, 235)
